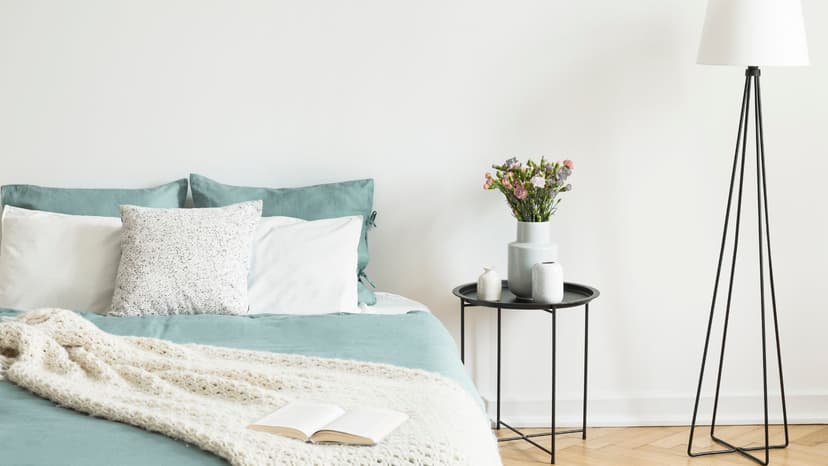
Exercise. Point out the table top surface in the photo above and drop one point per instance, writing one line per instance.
(574, 295)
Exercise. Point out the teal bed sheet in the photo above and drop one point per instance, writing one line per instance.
(36, 432)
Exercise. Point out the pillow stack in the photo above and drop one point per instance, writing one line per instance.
(67, 248)
(308, 203)
(60, 247)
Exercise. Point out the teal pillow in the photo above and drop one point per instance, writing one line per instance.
(308, 203)
(98, 202)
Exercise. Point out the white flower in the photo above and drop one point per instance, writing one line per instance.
(538, 181)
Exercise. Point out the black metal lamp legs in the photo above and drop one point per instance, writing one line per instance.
(751, 82)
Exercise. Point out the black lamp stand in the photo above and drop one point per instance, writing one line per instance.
(751, 83)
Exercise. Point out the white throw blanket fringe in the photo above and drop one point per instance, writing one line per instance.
(207, 395)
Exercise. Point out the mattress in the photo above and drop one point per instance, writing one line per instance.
(35, 432)
(390, 303)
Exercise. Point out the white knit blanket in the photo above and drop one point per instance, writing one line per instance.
(207, 395)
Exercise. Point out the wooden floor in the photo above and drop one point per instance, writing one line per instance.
(667, 446)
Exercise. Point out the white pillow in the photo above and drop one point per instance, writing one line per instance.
(305, 267)
(58, 260)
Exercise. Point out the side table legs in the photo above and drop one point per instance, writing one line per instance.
(552, 433)
(554, 370)
(497, 425)
(462, 331)
(586, 358)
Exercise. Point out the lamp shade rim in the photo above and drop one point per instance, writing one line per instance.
(762, 65)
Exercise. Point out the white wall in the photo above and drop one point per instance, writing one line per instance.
(423, 96)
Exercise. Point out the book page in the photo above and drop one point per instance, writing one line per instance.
(371, 423)
(304, 416)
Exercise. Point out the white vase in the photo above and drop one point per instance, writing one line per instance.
(489, 285)
(547, 282)
(533, 245)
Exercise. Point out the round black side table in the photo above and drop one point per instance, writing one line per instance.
(575, 295)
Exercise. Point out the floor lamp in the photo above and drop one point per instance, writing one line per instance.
(750, 33)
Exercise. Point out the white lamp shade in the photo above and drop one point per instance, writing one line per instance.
(754, 33)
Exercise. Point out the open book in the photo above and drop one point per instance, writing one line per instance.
(327, 423)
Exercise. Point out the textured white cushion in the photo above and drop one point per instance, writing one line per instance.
(305, 267)
(58, 260)
(185, 261)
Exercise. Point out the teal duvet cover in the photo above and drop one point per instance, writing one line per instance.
(34, 431)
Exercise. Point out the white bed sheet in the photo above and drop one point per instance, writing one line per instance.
(390, 303)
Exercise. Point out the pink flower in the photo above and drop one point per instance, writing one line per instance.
(488, 184)
(488, 175)
(506, 183)
(568, 164)
(521, 192)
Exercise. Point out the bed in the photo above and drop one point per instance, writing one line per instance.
(33, 431)
(193, 323)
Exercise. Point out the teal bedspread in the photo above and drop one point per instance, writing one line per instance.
(34, 431)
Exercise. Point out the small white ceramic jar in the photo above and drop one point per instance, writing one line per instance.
(547, 282)
(489, 285)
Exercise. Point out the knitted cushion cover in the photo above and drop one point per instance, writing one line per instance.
(185, 261)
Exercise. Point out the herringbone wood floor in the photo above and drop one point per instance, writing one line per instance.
(667, 446)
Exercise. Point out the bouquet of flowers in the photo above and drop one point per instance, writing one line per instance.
(531, 189)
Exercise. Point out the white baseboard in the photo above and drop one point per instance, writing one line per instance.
(662, 411)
